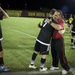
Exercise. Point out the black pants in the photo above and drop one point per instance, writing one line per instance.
(0, 32)
(58, 53)
(0, 38)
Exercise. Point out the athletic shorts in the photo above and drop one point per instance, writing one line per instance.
(1, 49)
(0, 32)
(42, 49)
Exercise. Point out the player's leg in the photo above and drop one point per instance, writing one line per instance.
(2, 67)
(72, 41)
(55, 59)
(62, 57)
(34, 55)
(44, 51)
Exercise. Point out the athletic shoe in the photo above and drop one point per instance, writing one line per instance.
(32, 66)
(54, 68)
(4, 69)
(42, 69)
(73, 47)
(64, 72)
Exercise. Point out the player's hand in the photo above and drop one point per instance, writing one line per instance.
(49, 20)
(61, 31)
(39, 25)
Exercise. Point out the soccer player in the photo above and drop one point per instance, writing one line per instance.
(43, 42)
(3, 68)
(57, 46)
(72, 29)
(70, 20)
(69, 25)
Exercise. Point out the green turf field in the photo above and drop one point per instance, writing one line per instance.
(19, 38)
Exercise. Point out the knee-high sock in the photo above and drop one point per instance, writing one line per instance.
(33, 58)
(1, 61)
(42, 62)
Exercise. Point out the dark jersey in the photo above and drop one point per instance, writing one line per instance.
(73, 29)
(1, 15)
(46, 33)
(1, 18)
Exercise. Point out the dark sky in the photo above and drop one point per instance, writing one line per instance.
(67, 6)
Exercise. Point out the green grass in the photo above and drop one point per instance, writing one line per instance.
(18, 47)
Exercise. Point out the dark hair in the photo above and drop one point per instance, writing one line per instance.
(61, 14)
(52, 11)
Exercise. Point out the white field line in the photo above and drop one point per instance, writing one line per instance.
(21, 32)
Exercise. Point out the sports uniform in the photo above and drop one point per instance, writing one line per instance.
(1, 17)
(43, 39)
(73, 33)
(73, 29)
(58, 48)
(2, 67)
(70, 21)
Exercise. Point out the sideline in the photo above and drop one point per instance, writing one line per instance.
(72, 70)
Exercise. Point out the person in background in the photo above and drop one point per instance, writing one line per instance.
(57, 46)
(72, 30)
(3, 68)
(69, 24)
(70, 20)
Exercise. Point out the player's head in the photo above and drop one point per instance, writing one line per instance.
(57, 14)
(52, 11)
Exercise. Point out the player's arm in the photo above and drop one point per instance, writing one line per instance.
(5, 14)
(56, 26)
(61, 31)
(71, 26)
(39, 25)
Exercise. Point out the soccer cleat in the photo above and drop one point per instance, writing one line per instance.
(64, 72)
(32, 66)
(54, 68)
(73, 47)
(43, 69)
(4, 69)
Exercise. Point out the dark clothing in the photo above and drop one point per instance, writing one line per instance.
(58, 53)
(46, 33)
(44, 37)
(58, 49)
(73, 29)
(1, 18)
(1, 15)
(0, 32)
(43, 49)
(1, 46)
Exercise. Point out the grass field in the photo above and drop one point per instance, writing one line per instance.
(18, 43)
